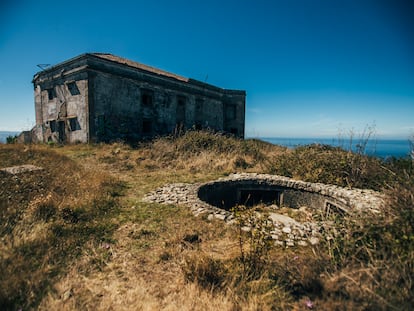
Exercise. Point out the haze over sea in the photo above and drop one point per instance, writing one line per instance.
(381, 148)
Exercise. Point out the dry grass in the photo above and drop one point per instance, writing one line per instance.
(77, 236)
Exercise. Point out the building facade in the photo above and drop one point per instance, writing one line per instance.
(97, 97)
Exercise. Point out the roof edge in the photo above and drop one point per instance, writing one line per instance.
(135, 65)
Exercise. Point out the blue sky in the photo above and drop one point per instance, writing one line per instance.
(311, 68)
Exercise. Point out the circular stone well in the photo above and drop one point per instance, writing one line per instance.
(249, 189)
(216, 198)
(226, 194)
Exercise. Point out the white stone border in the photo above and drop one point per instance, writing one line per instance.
(187, 194)
(286, 232)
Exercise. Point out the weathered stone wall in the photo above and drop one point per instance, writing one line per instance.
(61, 103)
(119, 110)
(100, 97)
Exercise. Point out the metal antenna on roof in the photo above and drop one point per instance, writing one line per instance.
(43, 66)
(205, 80)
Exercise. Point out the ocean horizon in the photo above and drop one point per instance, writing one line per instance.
(381, 148)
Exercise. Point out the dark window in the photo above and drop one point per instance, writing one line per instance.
(74, 124)
(73, 88)
(52, 125)
(230, 112)
(198, 118)
(100, 125)
(147, 98)
(180, 112)
(51, 93)
(61, 130)
(234, 131)
(199, 107)
(146, 126)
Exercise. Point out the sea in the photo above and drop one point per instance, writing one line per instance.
(5, 134)
(381, 148)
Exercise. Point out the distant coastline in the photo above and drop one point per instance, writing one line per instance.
(381, 148)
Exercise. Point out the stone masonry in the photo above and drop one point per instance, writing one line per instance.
(98, 97)
(287, 231)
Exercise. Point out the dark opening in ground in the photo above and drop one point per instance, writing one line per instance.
(249, 193)
(251, 197)
(227, 194)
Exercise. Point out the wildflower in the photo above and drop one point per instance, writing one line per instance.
(106, 245)
(309, 303)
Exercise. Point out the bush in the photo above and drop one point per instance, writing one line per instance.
(332, 165)
(11, 139)
(372, 256)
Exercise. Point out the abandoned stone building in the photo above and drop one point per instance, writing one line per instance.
(98, 97)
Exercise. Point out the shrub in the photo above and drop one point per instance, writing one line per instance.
(11, 139)
(375, 253)
(331, 165)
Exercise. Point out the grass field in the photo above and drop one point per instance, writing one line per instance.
(76, 235)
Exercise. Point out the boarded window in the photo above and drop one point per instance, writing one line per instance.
(73, 88)
(74, 124)
(147, 98)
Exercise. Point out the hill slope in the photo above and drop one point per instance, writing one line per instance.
(76, 234)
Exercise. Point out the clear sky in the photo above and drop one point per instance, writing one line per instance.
(311, 68)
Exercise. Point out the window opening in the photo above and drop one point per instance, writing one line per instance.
(52, 125)
(100, 125)
(199, 114)
(230, 112)
(147, 98)
(146, 126)
(180, 113)
(51, 93)
(74, 124)
(73, 88)
(62, 131)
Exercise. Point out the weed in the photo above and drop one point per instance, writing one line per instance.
(254, 235)
(206, 271)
